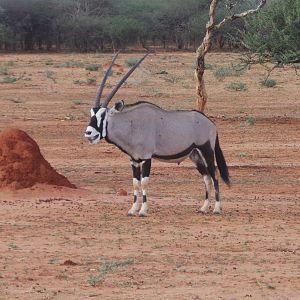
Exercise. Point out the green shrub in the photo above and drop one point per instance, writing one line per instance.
(91, 81)
(273, 34)
(234, 70)
(236, 86)
(131, 61)
(268, 82)
(49, 74)
(92, 67)
(9, 79)
(72, 64)
(209, 67)
(250, 120)
(49, 62)
(9, 63)
(4, 71)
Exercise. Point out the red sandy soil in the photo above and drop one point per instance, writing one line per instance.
(62, 243)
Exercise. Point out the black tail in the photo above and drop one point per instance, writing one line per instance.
(221, 163)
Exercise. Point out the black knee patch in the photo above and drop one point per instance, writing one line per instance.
(146, 168)
(136, 171)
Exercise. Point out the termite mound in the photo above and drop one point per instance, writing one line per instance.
(22, 165)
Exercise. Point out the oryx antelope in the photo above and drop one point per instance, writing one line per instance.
(145, 131)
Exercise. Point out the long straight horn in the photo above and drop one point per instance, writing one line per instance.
(116, 88)
(102, 86)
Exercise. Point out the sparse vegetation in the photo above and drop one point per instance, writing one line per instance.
(131, 61)
(268, 82)
(72, 64)
(49, 74)
(209, 67)
(106, 267)
(9, 79)
(93, 280)
(234, 70)
(236, 86)
(77, 102)
(91, 81)
(9, 63)
(93, 67)
(250, 120)
(49, 62)
(4, 70)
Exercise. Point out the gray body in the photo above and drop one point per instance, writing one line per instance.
(144, 131)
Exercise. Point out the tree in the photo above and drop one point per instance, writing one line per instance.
(273, 35)
(206, 44)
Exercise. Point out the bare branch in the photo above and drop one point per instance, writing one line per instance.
(241, 15)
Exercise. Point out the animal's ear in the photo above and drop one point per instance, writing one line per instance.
(119, 106)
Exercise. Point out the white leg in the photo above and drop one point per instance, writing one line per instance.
(217, 209)
(144, 209)
(207, 181)
(135, 206)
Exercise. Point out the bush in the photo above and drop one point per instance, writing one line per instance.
(72, 64)
(236, 86)
(4, 71)
(274, 33)
(92, 67)
(131, 61)
(222, 72)
(268, 82)
(9, 79)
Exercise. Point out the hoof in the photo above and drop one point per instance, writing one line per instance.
(143, 214)
(202, 211)
(216, 212)
(132, 213)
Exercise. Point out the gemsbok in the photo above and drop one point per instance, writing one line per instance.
(144, 131)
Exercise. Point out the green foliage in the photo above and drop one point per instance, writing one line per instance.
(274, 33)
(236, 86)
(49, 62)
(91, 80)
(209, 67)
(106, 267)
(4, 70)
(72, 64)
(268, 82)
(9, 79)
(93, 280)
(112, 266)
(49, 74)
(131, 61)
(250, 120)
(93, 25)
(234, 70)
(93, 67)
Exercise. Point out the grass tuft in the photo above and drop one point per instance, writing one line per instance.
(236, 86)
(93, 67)
(268, 82)
(9, 79)
(131, 61)
(4, 71)
(72, 64)
(250, 120)
(234, 70)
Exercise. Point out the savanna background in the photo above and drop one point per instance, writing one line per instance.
(61, 243)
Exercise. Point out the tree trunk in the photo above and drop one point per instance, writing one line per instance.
(201, 95)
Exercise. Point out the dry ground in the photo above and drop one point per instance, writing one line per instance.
(60, 243)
